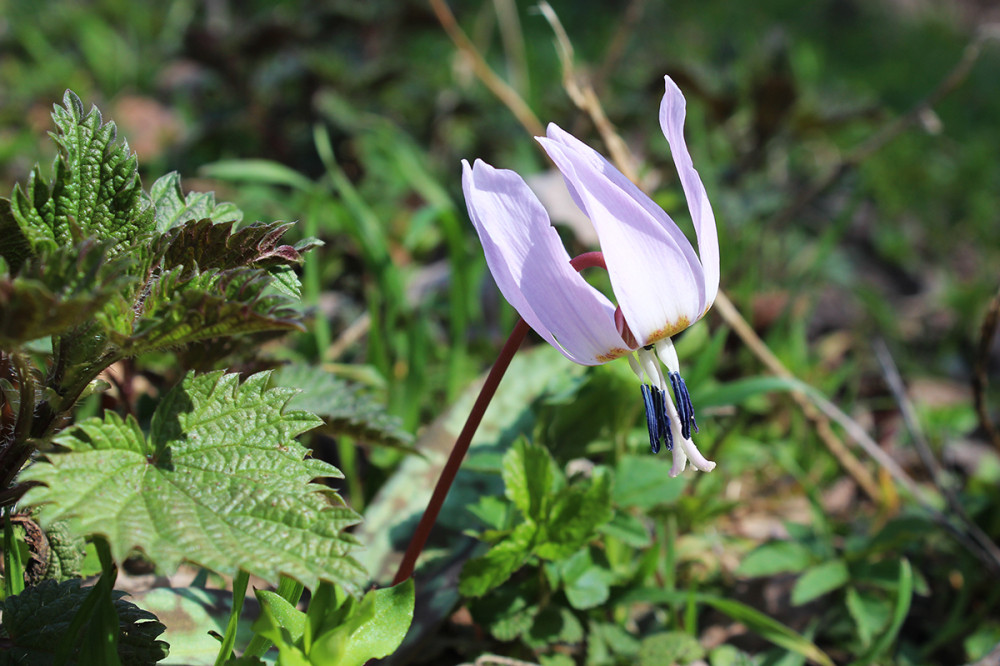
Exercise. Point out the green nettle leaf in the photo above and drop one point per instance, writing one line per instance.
(174, 209)
(68, 288)
(776, 557)
(95, 189)
(184, 306)
(819, 580)
(345, 407)
(509, 611)
(482, 574)
(219, 481)
(14, 245)
(207, 244)
(36, 622)
(531, 478)
(575, 516)
(66, 552)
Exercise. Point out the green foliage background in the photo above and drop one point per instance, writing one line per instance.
(351, 118)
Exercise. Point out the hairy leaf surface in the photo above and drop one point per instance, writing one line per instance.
(95, 189)
(36, 623)
(174, 209)
(346, 408)
(219, 481)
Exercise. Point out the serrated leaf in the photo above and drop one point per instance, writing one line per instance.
(95, 189)
(345, 407)
(59, 292)
(174, 209)
(530, 478)
(66, 552)
(775, 557)
(184, 306)
(482, 574)
(219, 481)
(508, 611)
(576, 514)
(207, 244)
(554, 624)
(585, 582)
(374, 630)
(36, 623)
(819, 580)
(669, 647)
(14, 245)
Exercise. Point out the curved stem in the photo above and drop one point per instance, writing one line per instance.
(458, 452)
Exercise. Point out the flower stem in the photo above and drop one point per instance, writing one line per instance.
(458, 452)
(580, 262)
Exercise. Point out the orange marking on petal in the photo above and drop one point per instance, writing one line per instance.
(669, 331)
(612, 354)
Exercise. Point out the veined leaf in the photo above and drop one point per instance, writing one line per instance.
(95, 189)
(346, 408)
(531, 479)
(67, 288)
(36, 623)
(14, 245)
(219, 480)
(174, 209)
(207, 244)
(183, 306)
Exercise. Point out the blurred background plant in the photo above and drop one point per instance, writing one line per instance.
(352, 118)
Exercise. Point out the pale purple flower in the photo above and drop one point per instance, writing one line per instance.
(661, 284)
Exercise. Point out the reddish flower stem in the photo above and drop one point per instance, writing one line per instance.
(458, 452)
(586, 260)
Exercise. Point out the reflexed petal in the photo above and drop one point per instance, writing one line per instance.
(601, 164)
(672, 111)
(658, 290)
(531, 267)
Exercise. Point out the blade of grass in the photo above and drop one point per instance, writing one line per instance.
(13, 567)
(229, 638)
(903, 600)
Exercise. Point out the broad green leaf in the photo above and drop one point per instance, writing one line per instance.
(869, 611)
(345, 407)
(174, 209)
(904, 598)
(819, 580)
(644, 481)
(95, 189)
(375, 629)
(576, 514)
(284, 614)
(669, 647)
(219, 480)
(482, 574)
(775, 557)
(530, 478)
(37, 620)
(66, 552)
(554, 624)
(629, 529)
(585, 582)
(508, 611)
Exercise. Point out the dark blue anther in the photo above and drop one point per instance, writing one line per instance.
(652, 417)
(684, 407)
(660, 399)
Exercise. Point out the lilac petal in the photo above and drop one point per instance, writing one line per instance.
(672, 112)
(531, 267)
(658, 289)
(601, 164)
